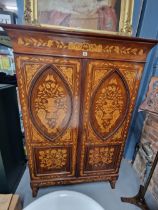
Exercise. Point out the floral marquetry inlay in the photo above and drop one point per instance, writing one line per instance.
(71, 81)
(68, 73)
(80, 46)
(52, 158)
(99, 157)
(98, 75)
(109, 105)
(30, 71)
(50, 103)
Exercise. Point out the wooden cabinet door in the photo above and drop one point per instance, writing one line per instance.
(110, 92)
(49, 93)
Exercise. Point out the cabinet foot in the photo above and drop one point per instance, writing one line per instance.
(34, 191)
(113, 183)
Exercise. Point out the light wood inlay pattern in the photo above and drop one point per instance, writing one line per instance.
(77, 93)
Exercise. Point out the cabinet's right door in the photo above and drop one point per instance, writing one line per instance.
(109, 97)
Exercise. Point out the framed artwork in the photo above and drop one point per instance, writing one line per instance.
(112, 16)
(150, 103)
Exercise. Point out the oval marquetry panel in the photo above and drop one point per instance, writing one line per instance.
(109, 105)
(50, 102)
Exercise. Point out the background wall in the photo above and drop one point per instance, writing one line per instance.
(20, 4)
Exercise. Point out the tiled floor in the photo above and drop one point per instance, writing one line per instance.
(127, 185)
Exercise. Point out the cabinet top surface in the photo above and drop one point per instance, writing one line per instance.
(69, 31)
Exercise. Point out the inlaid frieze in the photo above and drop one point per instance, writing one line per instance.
(80, 46)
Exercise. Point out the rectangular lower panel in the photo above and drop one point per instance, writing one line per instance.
(49, 160)
(101, 158)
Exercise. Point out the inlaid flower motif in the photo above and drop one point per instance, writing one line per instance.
(53, 158)
(100, 157)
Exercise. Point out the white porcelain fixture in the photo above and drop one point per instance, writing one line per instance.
(64, 200)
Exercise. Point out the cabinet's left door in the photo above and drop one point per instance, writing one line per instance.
(49, 94)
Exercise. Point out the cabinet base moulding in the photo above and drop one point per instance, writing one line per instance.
(35, 185)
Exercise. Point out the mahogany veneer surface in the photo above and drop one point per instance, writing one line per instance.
(77, 92)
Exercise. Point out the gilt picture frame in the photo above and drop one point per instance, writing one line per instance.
(101, 16)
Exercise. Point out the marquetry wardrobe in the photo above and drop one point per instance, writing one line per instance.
(77, 92)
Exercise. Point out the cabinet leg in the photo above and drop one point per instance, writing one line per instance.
(34, 190)
(112, 183)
